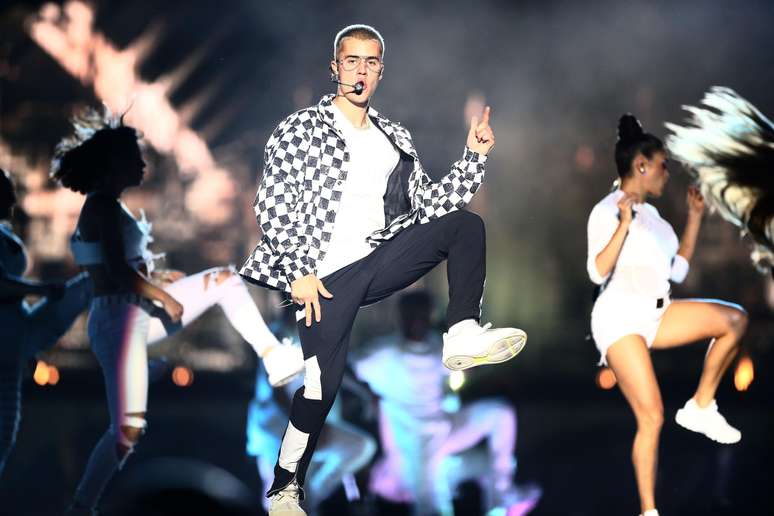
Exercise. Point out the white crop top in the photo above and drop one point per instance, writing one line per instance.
(136, 235)
(648, 258)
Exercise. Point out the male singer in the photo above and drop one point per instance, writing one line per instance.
(350, 217)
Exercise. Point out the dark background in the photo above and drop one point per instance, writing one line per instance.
(557, 75)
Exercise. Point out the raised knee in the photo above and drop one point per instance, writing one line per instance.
(468, 220)
(737, 321)
(734, 321)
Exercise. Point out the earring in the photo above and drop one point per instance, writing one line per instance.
(642, 169)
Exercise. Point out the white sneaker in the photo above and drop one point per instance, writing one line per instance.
(286, 502)
(468, 345)
(707, 421)
(283, 362)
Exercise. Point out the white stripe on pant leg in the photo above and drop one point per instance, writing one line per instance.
(293, 446)
(312, 384)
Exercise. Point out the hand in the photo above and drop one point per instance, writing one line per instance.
(480, 136)
(173, 308)
(625, 208)
(55, 291)
(304, 292)
(695, 201)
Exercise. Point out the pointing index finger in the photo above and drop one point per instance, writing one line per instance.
(485, 118)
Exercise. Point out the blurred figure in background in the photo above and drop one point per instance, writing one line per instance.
(421, 431)
(27, 329)
(134, 304)
(634, 254)
(342, 450)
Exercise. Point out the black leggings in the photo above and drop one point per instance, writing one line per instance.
(458, 237)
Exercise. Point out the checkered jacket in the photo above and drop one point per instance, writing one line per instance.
(305, 165)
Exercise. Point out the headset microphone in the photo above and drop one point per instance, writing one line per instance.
(357, 87)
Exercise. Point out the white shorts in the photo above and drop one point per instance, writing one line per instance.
(615, 316)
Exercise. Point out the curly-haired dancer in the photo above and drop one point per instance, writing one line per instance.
(130, 309)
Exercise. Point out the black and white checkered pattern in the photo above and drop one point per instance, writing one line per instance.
(305, 166)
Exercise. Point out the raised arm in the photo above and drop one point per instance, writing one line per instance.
(456, 189)
(680, 265)
(606, 236)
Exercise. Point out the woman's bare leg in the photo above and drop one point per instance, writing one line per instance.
(630, 360)
(689, 321)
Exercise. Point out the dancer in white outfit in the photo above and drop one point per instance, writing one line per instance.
(634, 253)
(129, 309)
(24, 329)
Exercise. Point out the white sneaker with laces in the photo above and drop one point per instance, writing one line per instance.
(469, 345)
(286, 502)
(707, 421)
(283, 362)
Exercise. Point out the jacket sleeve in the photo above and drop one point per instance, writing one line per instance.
(453, 191)
(276, 203)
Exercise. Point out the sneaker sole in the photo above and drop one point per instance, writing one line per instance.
(679, 419)
(499, 352)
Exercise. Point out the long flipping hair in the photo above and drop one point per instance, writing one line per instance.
(728, 146)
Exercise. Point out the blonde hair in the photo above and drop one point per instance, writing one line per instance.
(357, 31)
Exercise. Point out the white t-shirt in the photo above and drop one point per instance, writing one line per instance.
(372, 157)
(648, 258)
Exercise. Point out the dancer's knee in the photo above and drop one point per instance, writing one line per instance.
(650, 416)
(736, 320)
(129, 434)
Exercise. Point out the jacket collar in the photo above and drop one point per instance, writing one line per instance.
(325, 109)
